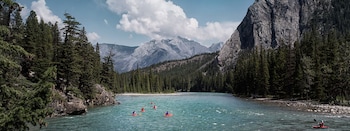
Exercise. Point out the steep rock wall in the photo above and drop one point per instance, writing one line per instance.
(268, 24)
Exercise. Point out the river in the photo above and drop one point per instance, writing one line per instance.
(193, 112)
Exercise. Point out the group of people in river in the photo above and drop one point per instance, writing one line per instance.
(167, 114)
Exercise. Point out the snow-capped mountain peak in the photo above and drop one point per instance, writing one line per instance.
(156, 51)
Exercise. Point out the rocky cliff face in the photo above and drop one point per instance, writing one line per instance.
(268, 24)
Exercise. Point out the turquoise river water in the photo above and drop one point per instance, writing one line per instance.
(194, 112)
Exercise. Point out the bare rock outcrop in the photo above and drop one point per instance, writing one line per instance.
(68, 104)
(268, 24)
(102, 97)
(75, 106)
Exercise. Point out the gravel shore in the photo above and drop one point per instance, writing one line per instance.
(308, 106)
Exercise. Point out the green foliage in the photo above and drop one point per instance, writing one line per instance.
(21, 103)
(170, 76)
(78, 64)
(34, 60)
(313, 69)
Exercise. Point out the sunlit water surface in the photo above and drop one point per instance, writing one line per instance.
(194, 112)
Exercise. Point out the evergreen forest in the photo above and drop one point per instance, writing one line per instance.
(37, 57)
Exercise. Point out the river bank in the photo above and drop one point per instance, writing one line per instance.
(146, 94)
(306, 105)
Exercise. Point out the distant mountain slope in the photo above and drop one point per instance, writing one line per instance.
(154, 51)
(184, 66)
(121, 54)
(216, 47)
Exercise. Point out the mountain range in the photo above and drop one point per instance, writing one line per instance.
(128, 58)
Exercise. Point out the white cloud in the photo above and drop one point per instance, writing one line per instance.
(106, 22)
(93, 37)
(25, 11)
(43, 12)
(163, 19)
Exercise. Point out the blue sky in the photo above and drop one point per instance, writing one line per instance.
(132, 22)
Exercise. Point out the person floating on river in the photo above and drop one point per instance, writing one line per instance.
(134, 113)
(321, 123)
(167, 114)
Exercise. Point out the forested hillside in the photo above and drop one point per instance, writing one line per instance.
(169, 76)
(315, 67)
(34, 61)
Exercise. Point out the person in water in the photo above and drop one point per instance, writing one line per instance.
(321, 123)
(133, 113)
(142, 109)
(155, 107)
(167, 113)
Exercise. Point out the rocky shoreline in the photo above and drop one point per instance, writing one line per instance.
(64, 104)
(306, 105)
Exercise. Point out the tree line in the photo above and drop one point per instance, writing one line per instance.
(317, 67)
(314, 67)
(199, 75)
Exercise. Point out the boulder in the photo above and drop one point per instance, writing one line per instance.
(102, 97)
(75, 106)
(66, 104)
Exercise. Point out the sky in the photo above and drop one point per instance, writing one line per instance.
(133, 22)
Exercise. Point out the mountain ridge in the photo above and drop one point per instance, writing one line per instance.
(128, 58)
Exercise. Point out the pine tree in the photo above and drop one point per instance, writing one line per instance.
(56, 40)
(86, 78)
(31, 40)
(299, 74)
(43, 50)
(264, 70)
(97, 64)
(107, 70)
(68, 63)
(17, 30)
